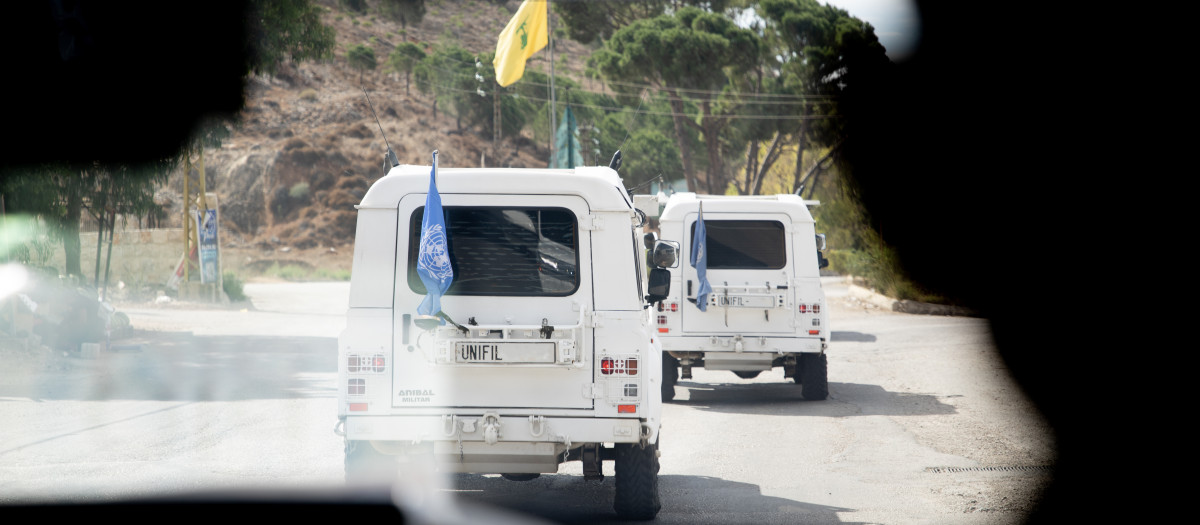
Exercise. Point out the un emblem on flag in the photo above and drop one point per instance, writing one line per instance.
(433, 257)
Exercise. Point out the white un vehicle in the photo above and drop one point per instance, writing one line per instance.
(547, 354)
(766, 308)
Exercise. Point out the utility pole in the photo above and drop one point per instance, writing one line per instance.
(553, 105)
(496, 123)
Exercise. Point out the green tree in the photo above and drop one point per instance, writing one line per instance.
(279, 30)
(404, 11)
(824, 52)
(404, 58)
(449, 73)
(362, 58)
(648, 155)
(59, 194)
(689, 54)
(591, 21)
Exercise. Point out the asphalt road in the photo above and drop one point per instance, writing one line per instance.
(922, 425)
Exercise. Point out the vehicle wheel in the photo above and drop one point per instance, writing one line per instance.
(637, 481)
(364, 464)
(813, 377)
(520, 477)
(670, 376)
(747, 374)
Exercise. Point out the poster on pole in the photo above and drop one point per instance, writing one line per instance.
(206, 235)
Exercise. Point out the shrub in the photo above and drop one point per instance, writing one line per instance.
(232, 286)
(290, 272)
(333, 275)
(309, 94)
(299, 190)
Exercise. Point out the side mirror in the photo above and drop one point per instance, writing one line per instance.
(665, 254)
(821, 260)
(660, 285)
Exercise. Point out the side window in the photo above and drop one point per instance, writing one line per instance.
(745, 245)
(505, 251)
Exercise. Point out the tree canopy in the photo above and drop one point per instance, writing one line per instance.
(404, 58)
(689, 54)
(404, 11)
(362, 58)
(279, 30)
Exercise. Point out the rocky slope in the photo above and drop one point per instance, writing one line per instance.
(307, 146)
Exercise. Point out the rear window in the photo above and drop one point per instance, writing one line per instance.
(505, 251)
(745, 245)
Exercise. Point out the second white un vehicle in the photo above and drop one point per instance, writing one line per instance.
(766, 307)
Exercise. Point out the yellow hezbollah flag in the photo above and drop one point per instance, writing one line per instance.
(524, 35)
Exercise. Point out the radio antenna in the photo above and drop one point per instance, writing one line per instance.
(391, 155)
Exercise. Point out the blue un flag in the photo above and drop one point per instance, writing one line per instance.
(433, 256)
(699, 260)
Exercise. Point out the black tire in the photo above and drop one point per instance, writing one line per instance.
(747, 374)
(813, 377)
(637, 482)
(670, 376)
(364, 464)
(520, 477)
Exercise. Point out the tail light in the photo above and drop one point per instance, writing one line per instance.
(610, 366)
(374, 364)
(814, 308)
(662, 319)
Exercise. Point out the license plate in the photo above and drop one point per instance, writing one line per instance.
(489, 352)
(746, 301)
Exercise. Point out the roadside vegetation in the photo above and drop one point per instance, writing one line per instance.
(232, 284)
(695, 101)
(295, 272)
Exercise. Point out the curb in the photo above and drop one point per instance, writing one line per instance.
(906, 306)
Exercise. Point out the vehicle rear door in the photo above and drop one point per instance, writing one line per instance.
(750, 269)
(522, 289)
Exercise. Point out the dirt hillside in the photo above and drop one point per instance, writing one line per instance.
(307, 146)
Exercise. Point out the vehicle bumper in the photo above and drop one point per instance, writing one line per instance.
(743, 344)
(487, 443)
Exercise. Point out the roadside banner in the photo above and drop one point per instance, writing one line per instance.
(206, 234)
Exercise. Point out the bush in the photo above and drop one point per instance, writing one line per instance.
(232, 286)
(309, 94)
(333, 275)
(299, 190)
(290, 272)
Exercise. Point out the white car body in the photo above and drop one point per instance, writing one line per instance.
(767, 308)
(558, 359)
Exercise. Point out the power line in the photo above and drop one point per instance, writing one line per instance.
(797, 98)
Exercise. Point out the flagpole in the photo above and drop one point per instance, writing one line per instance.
(553, 104)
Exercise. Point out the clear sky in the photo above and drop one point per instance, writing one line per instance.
(897, 22)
